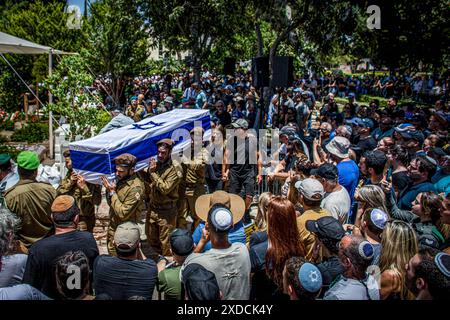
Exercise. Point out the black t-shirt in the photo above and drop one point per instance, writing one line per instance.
(241, 166)
(263, 288)
(122, 279)
(39, 272)
(400, 180)
(224, 118)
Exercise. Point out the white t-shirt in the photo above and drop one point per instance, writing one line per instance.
(231, 266)
(338, 204)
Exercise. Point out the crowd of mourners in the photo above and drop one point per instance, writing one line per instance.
(353, 205)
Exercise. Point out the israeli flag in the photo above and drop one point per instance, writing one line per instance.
(93, 157)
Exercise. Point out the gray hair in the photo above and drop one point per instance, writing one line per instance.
(9, 225)
(346, 131)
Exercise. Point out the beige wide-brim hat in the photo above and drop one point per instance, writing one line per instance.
(233, 202)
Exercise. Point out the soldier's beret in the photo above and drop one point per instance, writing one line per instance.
(125, 160)
(28, 160)
(168, 142)
(62, 203)
(4, 158)
(66, 154)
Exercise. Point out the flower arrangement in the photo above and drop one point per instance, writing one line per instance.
(7, 119)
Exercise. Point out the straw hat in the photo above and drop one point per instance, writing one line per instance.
(235, 203)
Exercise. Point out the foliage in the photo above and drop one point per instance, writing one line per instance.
(31, 133)
(118, 42)
(76, 105)
(195, 25)
(411, 32)
(102, 119)
(42, 22)
(12, 151)
(7, 119)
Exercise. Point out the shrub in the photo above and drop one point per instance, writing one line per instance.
(31, 133)
(12, 151)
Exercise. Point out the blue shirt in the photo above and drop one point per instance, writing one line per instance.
(409, 194)
(200, 100)
(348, 176)
(441, 182)
(237, 234)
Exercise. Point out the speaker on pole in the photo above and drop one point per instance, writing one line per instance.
(229, 67)
(260, 72)
(283, 72)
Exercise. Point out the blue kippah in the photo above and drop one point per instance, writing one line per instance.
(310, 277)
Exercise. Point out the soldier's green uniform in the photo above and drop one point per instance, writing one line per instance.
(31, 201)
(126, 202)
(86, 198)
(194, 183)
(135, 114)
(162, 211)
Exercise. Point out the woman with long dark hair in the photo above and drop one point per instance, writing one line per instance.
(268, 257)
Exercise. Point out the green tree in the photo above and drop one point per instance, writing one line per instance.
(43, 22)
(72, 101)
(194, 25)
(412, 31)
(118, 42)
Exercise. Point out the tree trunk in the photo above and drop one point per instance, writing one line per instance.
(259, 40)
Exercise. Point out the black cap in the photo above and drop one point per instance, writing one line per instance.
(326, 227)
(181, 242)
(199, 283)
(327, 171)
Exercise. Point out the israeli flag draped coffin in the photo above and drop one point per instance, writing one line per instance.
(93, 157)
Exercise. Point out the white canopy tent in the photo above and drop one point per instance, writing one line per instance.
(15, 45)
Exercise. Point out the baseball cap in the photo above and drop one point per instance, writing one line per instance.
(326, 228)
(351, 95)
(127, 236)
(125, 160)
(327, 171)
(354, 121)
(28, 160)
(4, 158)
(199, 283)
(442, 261)
(311, 189)
(367, 123)
(378, 218)
(339, 147)
(240, 123)
(181, 242)
(287, 130)
(310, 277)
(408, 131)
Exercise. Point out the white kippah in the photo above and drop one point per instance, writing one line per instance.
(223, 218)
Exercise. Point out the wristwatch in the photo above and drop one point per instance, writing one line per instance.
(162, 258)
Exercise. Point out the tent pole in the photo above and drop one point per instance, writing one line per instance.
(50, 113)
